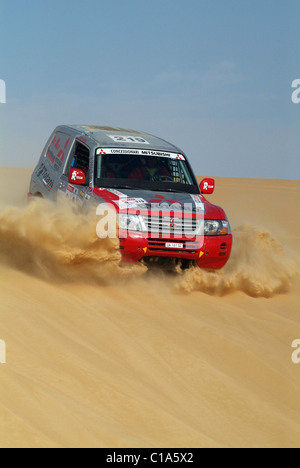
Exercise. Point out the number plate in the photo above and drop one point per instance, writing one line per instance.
(171, 245)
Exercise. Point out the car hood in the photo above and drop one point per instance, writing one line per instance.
(136, 199)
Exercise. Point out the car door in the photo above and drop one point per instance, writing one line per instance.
(48, 171)
(79, 158)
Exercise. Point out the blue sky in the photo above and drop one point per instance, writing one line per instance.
(212, 76)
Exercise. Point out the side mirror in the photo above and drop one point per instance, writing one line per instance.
(77, 177)
(207, 186)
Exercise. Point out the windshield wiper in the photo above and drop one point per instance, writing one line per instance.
(172, 190)
(122, 186)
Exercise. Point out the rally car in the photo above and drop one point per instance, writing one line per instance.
(161, 210)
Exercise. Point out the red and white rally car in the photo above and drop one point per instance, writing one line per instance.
(162, 212)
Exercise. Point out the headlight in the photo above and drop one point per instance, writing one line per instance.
(216, 227)
(131, 222)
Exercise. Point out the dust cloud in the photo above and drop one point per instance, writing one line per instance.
(259, 266)
(56, 244)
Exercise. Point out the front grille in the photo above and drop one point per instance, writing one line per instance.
(172, 225)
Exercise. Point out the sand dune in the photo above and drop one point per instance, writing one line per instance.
(103, 355)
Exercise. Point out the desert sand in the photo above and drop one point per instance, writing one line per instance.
(99, 355)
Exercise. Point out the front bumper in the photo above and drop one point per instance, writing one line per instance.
(207, 252)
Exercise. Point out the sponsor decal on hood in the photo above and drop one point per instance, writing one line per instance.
(149, 200)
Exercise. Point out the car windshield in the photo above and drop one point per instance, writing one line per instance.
(147, 172)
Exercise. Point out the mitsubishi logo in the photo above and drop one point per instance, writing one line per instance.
(172, 224)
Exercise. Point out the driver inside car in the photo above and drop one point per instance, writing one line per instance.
(107, 172)
(152, 169)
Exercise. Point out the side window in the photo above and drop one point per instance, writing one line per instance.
(79, 159)
(58, 150)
